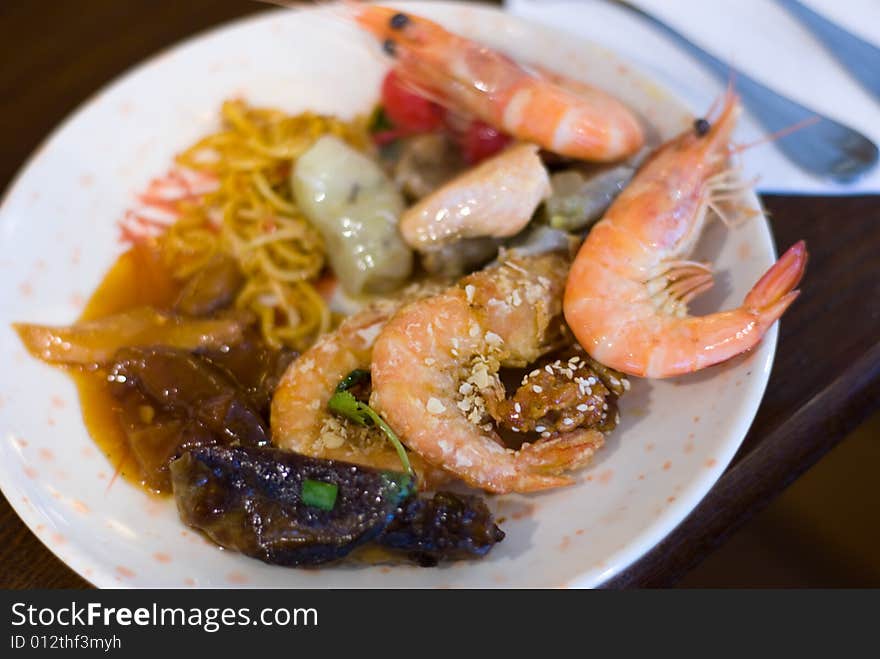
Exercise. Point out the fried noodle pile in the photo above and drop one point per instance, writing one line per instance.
(232, 196)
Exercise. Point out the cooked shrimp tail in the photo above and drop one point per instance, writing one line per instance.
(774, 292)
(563, 453)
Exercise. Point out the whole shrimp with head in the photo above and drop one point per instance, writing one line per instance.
(628, 288)
(435, 376)
(468, 78)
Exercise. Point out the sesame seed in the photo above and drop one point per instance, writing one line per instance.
(567, 422)
(545, 434)
(540, 428)
(469, 291)
(493, 339)
(537, 389)
(517, 407)
(435, 406)
(582, 407)
(548, 369)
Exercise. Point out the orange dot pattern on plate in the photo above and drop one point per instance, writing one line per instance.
(123, 571)
(80, 507)
(236, 578)
(526, 511)
(606, 476)
(162, 557)
(667, 465)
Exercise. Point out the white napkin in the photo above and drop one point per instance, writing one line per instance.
(757, 36)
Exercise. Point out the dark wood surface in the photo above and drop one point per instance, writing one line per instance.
(825, 379)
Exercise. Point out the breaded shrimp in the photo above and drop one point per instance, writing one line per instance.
(437, 360)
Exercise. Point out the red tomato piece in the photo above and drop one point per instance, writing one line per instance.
(481, 141)
(406, 109)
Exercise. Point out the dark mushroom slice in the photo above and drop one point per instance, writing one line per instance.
(190, 387)
(262, 502)
(447, 526)
(212, 288)
(254, 366)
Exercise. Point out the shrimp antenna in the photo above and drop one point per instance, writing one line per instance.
(723, 96)
(772, 137)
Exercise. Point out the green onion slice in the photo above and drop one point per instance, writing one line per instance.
(319, 494)
(346, 405)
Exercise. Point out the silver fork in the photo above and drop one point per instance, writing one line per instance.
(825, 147)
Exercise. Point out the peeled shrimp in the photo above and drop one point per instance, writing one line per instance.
(628, 289)
(583, 123)
(300, 420)
(495, 199)
(437, 360)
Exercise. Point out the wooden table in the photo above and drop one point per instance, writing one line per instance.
(825, 380)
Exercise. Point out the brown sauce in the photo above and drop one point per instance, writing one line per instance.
(136, 279)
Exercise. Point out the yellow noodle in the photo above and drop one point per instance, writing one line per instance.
(253, 217)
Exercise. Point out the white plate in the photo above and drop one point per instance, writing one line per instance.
(58, 236)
